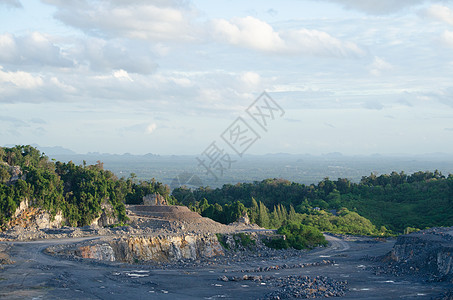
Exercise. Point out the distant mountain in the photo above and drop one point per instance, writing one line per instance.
(55, 150)
(49, 151)
(332, 154)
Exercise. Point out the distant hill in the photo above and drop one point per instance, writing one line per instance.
(55, 150)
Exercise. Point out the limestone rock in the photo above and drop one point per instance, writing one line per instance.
(23, 205)
(15, 172)
(45, 220)
(154, 199)
(107, 217)
(244, 219)
(156, 248)
(100, 252)
(32, 217)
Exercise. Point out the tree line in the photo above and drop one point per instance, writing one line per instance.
(389, 202)
(78, 191)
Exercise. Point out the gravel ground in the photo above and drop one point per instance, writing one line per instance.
(268, 275)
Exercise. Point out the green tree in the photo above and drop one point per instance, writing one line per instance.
(254, 211)
(263, 215)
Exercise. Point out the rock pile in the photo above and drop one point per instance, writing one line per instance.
(306, 287)
(296, 286)
(286, 266)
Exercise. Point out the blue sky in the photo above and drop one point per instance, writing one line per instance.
(168, 77)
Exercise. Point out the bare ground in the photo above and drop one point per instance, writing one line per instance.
(35, 275)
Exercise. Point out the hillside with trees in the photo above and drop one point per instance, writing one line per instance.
(77, 191)
(377, 205)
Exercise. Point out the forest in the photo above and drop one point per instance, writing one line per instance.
(385, 204)
(378, 205)
(77, 191)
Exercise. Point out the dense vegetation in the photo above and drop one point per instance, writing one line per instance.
(297, 236)
(77, 191)
(392, 202)
(377, 205)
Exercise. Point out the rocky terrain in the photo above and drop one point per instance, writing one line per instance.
(32, 224)
(173, 253)
(427, 253)
(4, 256)
(153, 249)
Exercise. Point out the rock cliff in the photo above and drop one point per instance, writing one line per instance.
(427, 252)
(150, 248)
(26, 216)
(107, 216)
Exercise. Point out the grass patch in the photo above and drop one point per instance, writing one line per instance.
(222, 241)
(276, 243)
(244, 239)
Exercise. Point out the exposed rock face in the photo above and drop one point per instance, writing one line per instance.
(428, 251)
(16, 173)
(157, 249)
(44, 220)
(26, 216)
(244, 219)
(108, 216)
(23, 205)
(13, 173)
(154, 199)
(99, 252)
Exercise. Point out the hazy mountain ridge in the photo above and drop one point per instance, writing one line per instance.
(302, 168)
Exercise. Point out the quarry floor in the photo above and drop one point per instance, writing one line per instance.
(35, 275)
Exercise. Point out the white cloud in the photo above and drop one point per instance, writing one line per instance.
(32, 49)
(63, 86)
(36, 50)
(248, 32)
(149, 20)
(251, 79)
(439, 13)
(253, 33)
(379, 7)
(379, 65)
(7, 47)
(19, 79)
(447, 38)
(320, 43)
(107, 55)
(151, 128)
(122, 75)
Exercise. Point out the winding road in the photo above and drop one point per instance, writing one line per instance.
(36, 275)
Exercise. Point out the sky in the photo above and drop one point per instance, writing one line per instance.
(172, 77)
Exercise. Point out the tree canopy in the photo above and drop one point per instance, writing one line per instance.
(78, 191)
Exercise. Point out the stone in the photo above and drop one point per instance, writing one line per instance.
(428, 252)
(154, 199)
(157, 249)
(244, 219)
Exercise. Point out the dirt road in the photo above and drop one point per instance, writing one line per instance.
(36, 275)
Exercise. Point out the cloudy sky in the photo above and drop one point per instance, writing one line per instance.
(169, 77)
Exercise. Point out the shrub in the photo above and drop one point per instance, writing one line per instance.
(298, 236)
